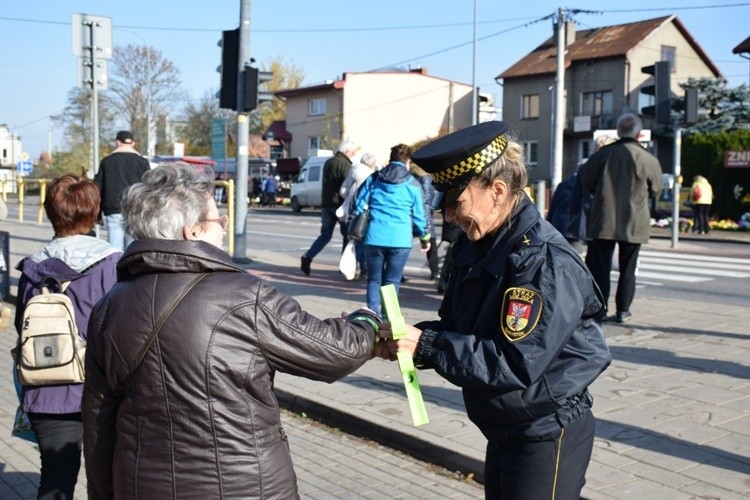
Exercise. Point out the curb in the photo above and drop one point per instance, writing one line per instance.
(416, 447)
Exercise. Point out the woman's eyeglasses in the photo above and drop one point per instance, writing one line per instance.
(223, 221)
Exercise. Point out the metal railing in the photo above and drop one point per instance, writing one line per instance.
(23, 182)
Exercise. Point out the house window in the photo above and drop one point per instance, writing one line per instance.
(530, 151)
(317, 107)
(596, 103)
(530, 106)
(586, 149)
(314, 142)
(668, 54)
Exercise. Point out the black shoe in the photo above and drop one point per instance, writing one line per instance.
(305, 264)
(403, 279)
(601, 317)
(623, 316)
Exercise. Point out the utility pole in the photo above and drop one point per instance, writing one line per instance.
(474, 108)
(677, 172)
(243, 134)
(559, 111)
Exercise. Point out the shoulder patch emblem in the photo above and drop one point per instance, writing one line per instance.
(521, 311)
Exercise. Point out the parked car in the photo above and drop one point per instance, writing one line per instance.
(307, 189)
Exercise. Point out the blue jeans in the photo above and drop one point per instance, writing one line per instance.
(328, 222)
(116, 234)
(385, 265)
(359, 251)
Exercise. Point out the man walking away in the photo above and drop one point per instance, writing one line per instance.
(335, 171)
(622, 177)
(118, 171)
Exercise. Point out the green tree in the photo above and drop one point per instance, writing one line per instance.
(725, 108)
(76, 121)
(144, 86)
(285, 76)
(195, 130)
(703, 154)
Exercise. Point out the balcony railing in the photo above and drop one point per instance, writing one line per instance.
(589, 123)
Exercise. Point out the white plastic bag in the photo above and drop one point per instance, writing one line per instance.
(341, 213)
(348, 262)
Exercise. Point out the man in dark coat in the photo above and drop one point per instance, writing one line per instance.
(335, 171)
(118, 171)
(622, 177)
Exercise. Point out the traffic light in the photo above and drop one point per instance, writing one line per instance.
(660, 89)
(254, 96)
(691, 105)
(230, 50)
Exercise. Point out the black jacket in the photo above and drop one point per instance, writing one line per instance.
(335, 171)
(118, 171)
(516, 332)
(200, 418)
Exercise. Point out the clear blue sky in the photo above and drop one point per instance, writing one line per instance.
(325, 38)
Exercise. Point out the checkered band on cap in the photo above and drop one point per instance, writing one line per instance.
(476, 162)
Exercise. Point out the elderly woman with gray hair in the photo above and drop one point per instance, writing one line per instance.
(181, 355)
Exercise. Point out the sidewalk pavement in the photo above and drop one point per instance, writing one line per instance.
(673, 409)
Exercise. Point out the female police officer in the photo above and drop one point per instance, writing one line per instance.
(516, 329)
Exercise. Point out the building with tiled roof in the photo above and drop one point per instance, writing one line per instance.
(603, 79)
(377, 110)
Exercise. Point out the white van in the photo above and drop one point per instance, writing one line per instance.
(307, 189)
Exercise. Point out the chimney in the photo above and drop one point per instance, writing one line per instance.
(570, 32)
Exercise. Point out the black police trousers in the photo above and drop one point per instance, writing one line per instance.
(551, 466)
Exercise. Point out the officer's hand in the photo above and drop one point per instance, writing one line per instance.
(409, 343)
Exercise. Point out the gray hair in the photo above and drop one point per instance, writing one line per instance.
(510, 167)
(369, 159)
(347, 145)
(168, 198)
(629, 125)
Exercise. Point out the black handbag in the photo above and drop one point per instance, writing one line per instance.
(358, 225)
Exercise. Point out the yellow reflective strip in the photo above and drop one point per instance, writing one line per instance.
(557, 462)
(477, 162)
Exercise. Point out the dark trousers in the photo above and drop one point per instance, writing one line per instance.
(328, 221)
(701, 217)
(551, 466)
(432, 259)
(60, 438)
(599, 262)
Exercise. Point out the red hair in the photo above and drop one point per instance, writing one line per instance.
(72, 205)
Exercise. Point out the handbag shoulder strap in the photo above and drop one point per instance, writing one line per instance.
(372, 189)
(157, 328)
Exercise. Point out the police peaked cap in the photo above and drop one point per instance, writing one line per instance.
(454, 159)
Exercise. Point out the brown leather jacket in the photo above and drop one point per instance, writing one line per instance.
(200, 418)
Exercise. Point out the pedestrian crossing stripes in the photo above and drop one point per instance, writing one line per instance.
(655, 267)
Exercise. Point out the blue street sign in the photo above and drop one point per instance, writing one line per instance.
(24, 167)
(218, 139)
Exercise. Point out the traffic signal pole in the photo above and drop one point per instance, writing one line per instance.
(243, 139)
(677, 184)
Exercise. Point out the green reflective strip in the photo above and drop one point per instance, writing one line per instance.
(405, 361)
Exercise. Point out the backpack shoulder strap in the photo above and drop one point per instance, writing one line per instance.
(158, 327)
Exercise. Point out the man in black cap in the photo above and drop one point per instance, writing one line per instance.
(118, 171)
(516, 329)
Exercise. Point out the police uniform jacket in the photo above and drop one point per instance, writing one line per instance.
(199, 418)
(516, 331)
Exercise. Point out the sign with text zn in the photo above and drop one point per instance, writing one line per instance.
(737, 159)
